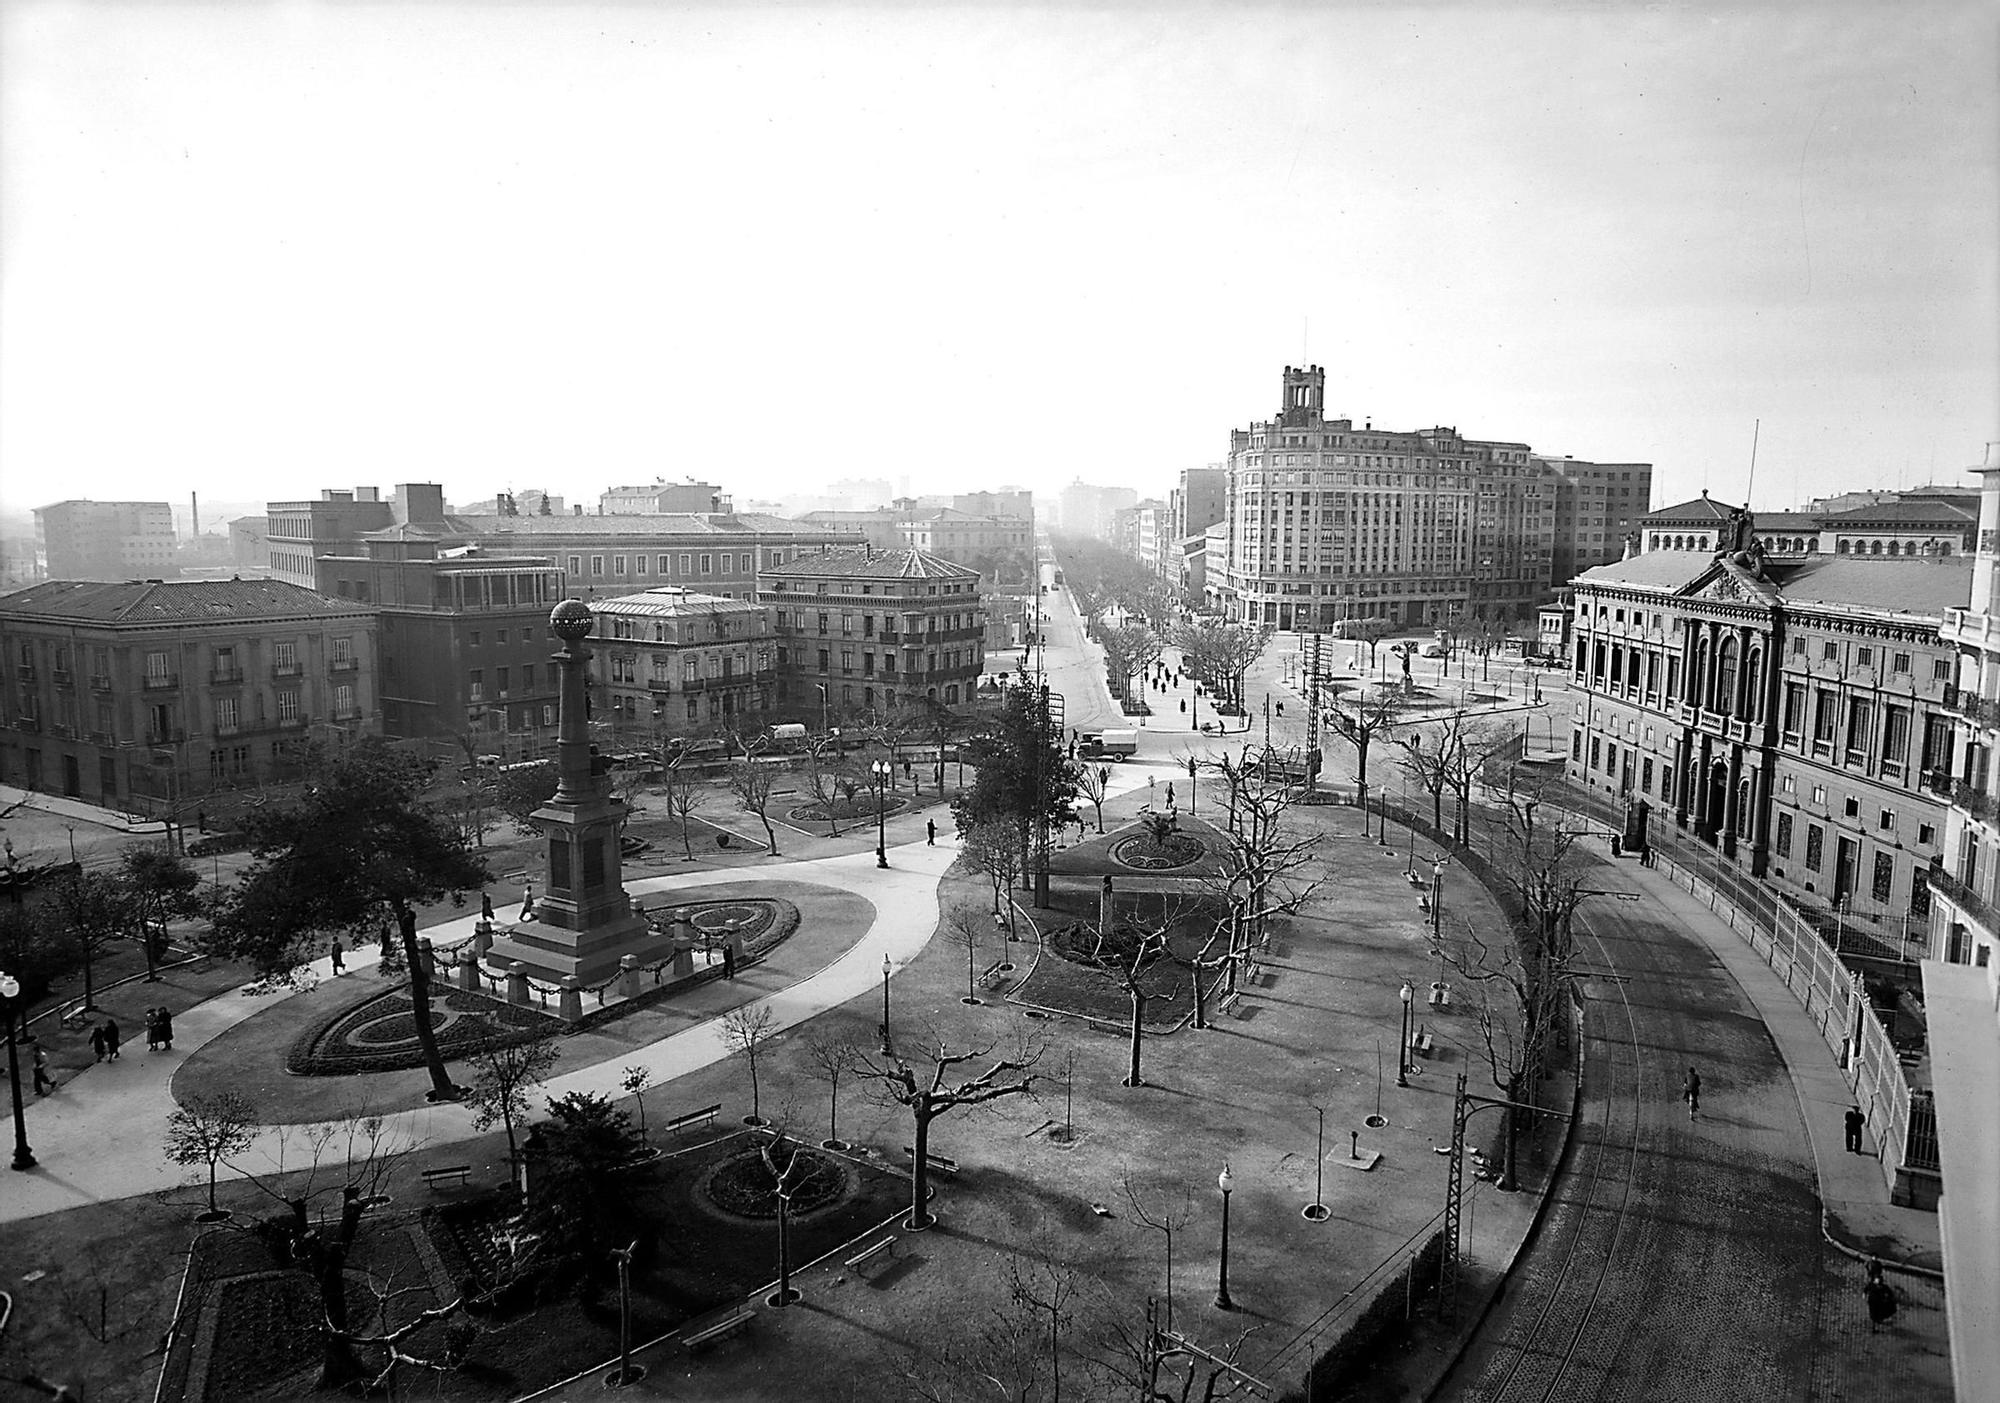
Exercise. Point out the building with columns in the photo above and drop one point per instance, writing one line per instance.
(1797, 718)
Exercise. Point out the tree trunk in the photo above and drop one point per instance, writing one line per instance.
(420, 1008)
(338, 1365)
(770, 834)
(1512, 1132)
(920, 1178)
(1437, 811)
(687, 846)
(1132, 1077)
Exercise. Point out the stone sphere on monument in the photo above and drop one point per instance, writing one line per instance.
(571, 619)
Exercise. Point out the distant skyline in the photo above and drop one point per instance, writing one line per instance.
(255, 252)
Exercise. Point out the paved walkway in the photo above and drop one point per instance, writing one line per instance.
(101, 1136)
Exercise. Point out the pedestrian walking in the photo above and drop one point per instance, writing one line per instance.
(1617, 849)
(152, 1030)
(339, 953)
(111, 1039)
(486, 906)
(166, 1028)
(1856, 1118)
(1880, 1296)
(729, 960)
(1691, 1092)
(97, 1041)
(930, 832)
(528, 903)
(1170, 794)
(44, 1084)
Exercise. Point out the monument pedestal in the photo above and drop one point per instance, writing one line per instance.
(588, 956)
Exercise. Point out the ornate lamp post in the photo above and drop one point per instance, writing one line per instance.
(879, 772)
(1437, 898)
(885, 1003)
(10, 990)
(1403, 1043)
(1224, 1182)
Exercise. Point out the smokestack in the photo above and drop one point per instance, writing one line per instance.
(194, 517)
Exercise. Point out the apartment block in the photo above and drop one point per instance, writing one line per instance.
(670, 662)
(78, 540)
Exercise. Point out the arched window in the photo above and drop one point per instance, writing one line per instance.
(1699, 689)
(1744, 801)
(1874, 547)
(1944, 547)
(1725, 678)
(1840, 546)
(1895, 547)
(1812, 545)
(1753, 684)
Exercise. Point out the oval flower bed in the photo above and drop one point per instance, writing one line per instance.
(860, 806)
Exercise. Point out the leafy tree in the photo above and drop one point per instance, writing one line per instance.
(518, 793)
(577, 1199)
(208, 1130)
(359, 846)
(502, 1075)
(944, 1087)
(92, 913)
(162, 886)
(1023, 776)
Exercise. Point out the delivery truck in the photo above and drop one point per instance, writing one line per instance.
(1109, 745)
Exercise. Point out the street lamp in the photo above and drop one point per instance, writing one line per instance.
(885, 1003)
(1225, 1183)
(1403, 1043)
(881, 770)
(1437, 896)
(10, 990)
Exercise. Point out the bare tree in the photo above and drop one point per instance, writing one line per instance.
(993, 847)
(822, 765)
(831, 1058)
(1358, 721)
(633, 1081)
(503, 1073)
(1264, 870)
(206, 1130)
(1447, 763)
(94, 913)
(944, 1087)
(684, 796)
(752, 781)
(1094, 782)
(745, 1030)
(965, 932)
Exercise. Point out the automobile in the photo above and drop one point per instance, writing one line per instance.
(1433, 650)
(1109, 745)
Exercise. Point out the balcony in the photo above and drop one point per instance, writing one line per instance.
(101, 738)
(25, 672)
(1980, 711)
(347, 713)
(27, 723)
(284, 669)
(1976, 802)
(342, 664)
(1943, 884)
(226, 677)
(229, 728)
(171, 735)
(1937, 783)
(161, 681)
(99, 682)
(64, 677)
(291, 723)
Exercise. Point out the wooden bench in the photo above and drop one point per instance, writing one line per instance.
(458, 1175)
(705, 1116)
(869, 1254)
(941, 1163)
(716, 1329)
(1422, 1043)
(994, 976)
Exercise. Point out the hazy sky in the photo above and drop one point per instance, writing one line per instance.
(261, 249)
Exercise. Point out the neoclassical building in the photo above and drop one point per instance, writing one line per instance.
(1794, 716)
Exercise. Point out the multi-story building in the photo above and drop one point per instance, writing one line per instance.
(1919, 527)
(464, 641)
(1788, 715)
(1001, 549)
(1597, 505)
(1328, 522)
(1962, 980)
(334, 524)
(1929, 522)
(1087, 510)
(250, 544)
(668, 662)
(152, 695)
(106, 541)
(862, 632)
(1015, 503)
(661, 497)
(1199, 501)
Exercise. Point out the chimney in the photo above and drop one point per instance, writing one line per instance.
(419, 504)
(368, 494)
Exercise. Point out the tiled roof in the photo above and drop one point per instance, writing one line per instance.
(1926, 512)
(1923, 587)
(649, 524)
(872, 565)
(1701, 508)
(1653, 569)
(1784, 521)
(175, 601)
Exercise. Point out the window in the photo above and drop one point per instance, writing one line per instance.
(1887, 820)
(1784, 835)
(500, 680)
(1941, 670)
(617, 564)
(1819, 794)
(476, 686)
(343, 700)
(1883, 880)
(1926, 835)
(1830, 652)
(597, 565)
(288, 706)
(576, 565)
(1864, 657)
(1895, 738)
(228, 715)
(528, 677)
(707, 563)
(1815, 846)
(687, 563)
(343, 654)
(1825, 707)
(663, 565)
(1852, 807)
(691, 669)
(1901, 662)
(1860, 724)
(1798, 647)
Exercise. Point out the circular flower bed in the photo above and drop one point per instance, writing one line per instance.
(860, 806)
(1077, 942)
(379, 1034)
(743, 1185)
(1148, 852)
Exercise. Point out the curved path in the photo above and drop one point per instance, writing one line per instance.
(1683, 1258)
(101, 1136)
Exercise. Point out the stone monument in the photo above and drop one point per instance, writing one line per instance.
(583, 921)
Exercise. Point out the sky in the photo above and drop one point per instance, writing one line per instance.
(255, 251)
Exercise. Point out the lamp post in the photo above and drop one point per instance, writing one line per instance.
(881, 770)
(885, 1003)
(10, 990)
(1225, 1183)
(1403, 1043)
(822, 706)
(1194, 708)
(1437, 897)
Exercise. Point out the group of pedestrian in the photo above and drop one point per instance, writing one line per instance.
(159, 1029)
(104, 1038)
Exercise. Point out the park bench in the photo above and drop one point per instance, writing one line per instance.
(457, 1175)
(994, 976)
(705, 1116)
(869, 1254)
(941, 1163)
(727, 1324)
(1422, 1042)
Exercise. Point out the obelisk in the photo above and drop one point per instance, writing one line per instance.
(584, 922)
